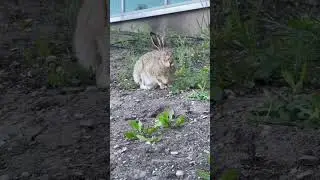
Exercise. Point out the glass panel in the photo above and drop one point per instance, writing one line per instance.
(178, 1)
(115, 7)
(133, 5)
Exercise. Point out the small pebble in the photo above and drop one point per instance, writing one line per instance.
(174, 152)
(179, 173)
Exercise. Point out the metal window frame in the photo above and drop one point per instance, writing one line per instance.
(167, 8)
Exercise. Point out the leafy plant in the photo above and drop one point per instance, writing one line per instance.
(295, 84)
(153, 134)
(166, 120)
(299, 110)
(201, 95)
(141, 133)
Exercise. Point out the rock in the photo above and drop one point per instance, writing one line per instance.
(179, 173)
(4, 177)
(308, 160)
(305, 175)
(174, 152)
(122, 150)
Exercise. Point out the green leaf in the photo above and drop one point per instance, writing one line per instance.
(316, 101)
(148, 140)
(170, 113)
(180, 121)
(303, 73)
(130, 135)
(140, 126)
(151, 130)
(231, 174)
(204, 174)
(155, 139)
(136, 125)
(288, 77)
(142, 138)
(163, 120)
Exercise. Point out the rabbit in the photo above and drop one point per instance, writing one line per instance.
(155, 67)
(89, 41)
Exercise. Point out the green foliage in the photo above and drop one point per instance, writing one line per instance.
(260, 48)
(286, 109)
(230, 174)
(154, 133)
(295, 84)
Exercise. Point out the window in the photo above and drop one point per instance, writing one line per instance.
(121, 10)
(135, 5)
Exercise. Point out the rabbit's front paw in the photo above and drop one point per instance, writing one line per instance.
(163, 86)
(142, 86)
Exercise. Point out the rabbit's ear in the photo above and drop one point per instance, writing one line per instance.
(162, 42)
(155, 40)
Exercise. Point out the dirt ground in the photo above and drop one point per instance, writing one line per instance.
(184, 149)
(64, 133)
(263, 151)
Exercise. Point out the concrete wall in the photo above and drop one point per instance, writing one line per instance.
(188, 22)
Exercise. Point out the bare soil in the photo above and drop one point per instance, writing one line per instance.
(64, 133)
(185, 149)
(263, 151)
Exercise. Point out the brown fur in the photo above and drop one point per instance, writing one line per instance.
(90, 39)
(155, 67)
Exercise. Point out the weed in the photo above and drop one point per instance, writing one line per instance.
(153, 134)
(200, 95)
(295, 84)
(257, 48)
(289, 109)
(142, 133)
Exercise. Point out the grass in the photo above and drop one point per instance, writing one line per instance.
(50, 54)
(191, 56)
(253, 50)
(59, 69)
